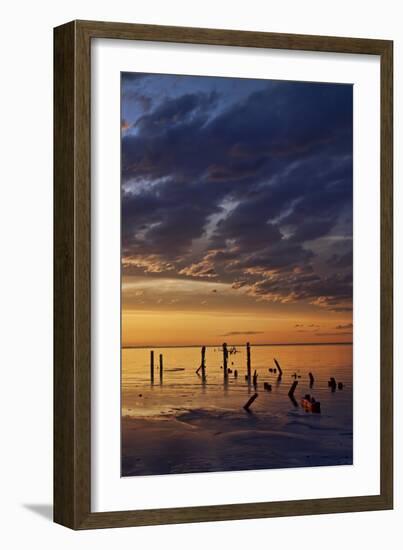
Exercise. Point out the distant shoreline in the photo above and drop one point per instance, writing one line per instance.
(242, 345)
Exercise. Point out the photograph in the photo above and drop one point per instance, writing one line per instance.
(236, 274)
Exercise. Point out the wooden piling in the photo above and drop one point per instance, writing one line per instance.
(311, 379)
(255, 378)
(292, 389)
(332, 384)
(203, 362)
(267, 386)
(225, 360)
(250, 401)
(152, 366)
(161, 368)
(248, 367)
(278, 367)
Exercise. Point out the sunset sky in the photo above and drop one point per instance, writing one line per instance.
(236, 211)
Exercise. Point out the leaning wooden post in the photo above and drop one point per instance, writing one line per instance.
(279, 368)
(152, 366)
(250, 401)
(225, 360)
(203, 362)
(249, 375)
(161, 367)
(292, 389)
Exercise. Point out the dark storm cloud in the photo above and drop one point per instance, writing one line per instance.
(176, 111)
(252, 183)
(341, 260)
(128, 78)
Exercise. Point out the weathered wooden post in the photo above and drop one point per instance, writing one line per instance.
(152, 366)
(279, 368)
(161, 368)
(249, 375)
(332, 384)
(203, 362)
(250, 401)
(291, 393)
(311, 379)
(225, 360)
(292, 389)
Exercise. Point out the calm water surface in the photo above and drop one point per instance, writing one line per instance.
(185, 389)
(217, 407)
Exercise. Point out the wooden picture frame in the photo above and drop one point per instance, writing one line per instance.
(72, 269)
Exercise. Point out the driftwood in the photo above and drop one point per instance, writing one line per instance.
(310, 404)
(250, 401)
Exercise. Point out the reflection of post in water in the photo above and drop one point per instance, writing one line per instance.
(225, 361)
(293, 400)
(161, 368)
(152, 366)
(202, 366)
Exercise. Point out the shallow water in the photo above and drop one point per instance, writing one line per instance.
(215, 408)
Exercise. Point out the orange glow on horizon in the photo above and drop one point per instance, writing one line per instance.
(185, 328)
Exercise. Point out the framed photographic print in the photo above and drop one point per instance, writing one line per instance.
(223, 275)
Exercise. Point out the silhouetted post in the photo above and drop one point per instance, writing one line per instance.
(249, 375)
(203, 362)
(152, 366)
(311, 379)
(332, 384)
(161, 367)
(292, 389)
(279, 368)
(255, 378)
(250, 401)
(225, 360)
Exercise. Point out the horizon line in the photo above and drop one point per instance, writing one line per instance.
(238, 345)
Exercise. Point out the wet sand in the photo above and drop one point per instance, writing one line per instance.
(212, 440)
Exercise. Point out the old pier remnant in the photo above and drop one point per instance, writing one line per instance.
(250, 401)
